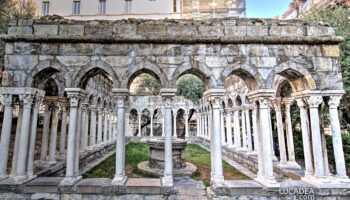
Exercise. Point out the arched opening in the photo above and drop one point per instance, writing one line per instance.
(145, 122)
(180, 124)
(158, 120)
(144, 82)
(192, 122)
(133, 123)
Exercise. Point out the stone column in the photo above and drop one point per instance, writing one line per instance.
(38, 99)
(163, 125)
(289, 132)
(304, 119)
(105, 126)
(249, 133)
(23, 141)
(334, 102)
(86, 128)
(314, 101)
(121, 96)
(110, 131)
(237, 129)
(175, 115)
(167, 97)
(126, 125)
(99, 126)
(45, 136)
(17, 137)
(140, 129)
(83, 134)
(6, 100)
(151, 134)
(281, 140)
(205, 128)
(186, 125)
(53, 135)
(214, 96)
(255, 128)
(259, 143)
(62, 154)
(229, 127)
(244, 130)
(222, 127)
(92, 127)
(78, 139)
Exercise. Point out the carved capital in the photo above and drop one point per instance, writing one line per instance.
(314, 101)
(334, 101)
(27, 100)
(301, 103)
(38, 101)
(215, 102)
(276, 102)
(6, 99)
(73, 100)
(121, 101)
(264, 102)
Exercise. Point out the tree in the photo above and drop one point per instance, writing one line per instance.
(148, 85)
(190, 87)
(338, 17)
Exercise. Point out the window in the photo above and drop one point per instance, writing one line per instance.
(102, 7)
(46, 8)
(127, 8)
(76, 7)
(174, 5)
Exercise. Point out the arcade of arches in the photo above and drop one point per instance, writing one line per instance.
(74, 77)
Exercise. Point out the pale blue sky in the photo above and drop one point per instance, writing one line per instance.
(266, 8)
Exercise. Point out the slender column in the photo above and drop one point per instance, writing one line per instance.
(249, 133)
(237, 129)
(16, 147)
(23, 142)
(140, 134)
(121, 97)
(244, 130)
(334, 102)
(93, 126)
(38, 99)
(110, 120)
(86, 128)
(6, 100)
(289, 132)
(186, 125)
(205, 128)
(175, 115)
(45, 136)
(304, 119)
(163, 125)
(151, 134)
(62, 154)
(274, 158)
(211, 140)
(83, 133)
(78, 139)
(255, 128)
(99, 126)
(53, 136)
(281, 140)
(167, 97)
(73, 142)
(229, 127)
(105, 126)
(259, 142)
(198, 124)
(222, 128)
(126, 125)
(314, 101)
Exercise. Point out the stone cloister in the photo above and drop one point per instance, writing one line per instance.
(78, 75)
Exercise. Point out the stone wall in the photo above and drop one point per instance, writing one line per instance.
(306, 53)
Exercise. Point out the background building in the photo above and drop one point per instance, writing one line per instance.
(147, 9)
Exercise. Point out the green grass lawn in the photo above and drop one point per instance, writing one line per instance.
(138, 152)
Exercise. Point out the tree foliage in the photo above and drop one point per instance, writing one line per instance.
(339, 18)
(148, 86)
(190, 87)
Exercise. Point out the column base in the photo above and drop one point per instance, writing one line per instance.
(217, 181)
(62, 157)
(3, 176)
(52, 162)
(274, 158)
(119, 180)
(343, 179)
(67, 181)
(19, 178)
(269, 182)
(283, 165)
(320, 182)
(44, 164)
(293, 165)
(167, 181)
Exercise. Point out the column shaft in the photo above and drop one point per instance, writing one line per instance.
(222, 128)
(281, 140)
(244, 130)
(6, 100)
(63, 132)
(99, 127)
(17, 139)
(289, 132)
(105, 127)
(45, 136)
(53, 136)
(93, 127)
(229, 128)
(249, 133)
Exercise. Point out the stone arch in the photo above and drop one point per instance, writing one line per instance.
(238, 100)
(91, 99)
(206, 76)
(250, 76)
(99, 101)
(150, 69)
(229, 103)
(40, 80)
(82, 79)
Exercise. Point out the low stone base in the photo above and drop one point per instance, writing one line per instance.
(187, 171)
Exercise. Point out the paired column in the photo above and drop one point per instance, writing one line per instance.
(175, 115)
(244, 130)
(140, 129)
(53, 135)
(186, 125)
(45, 135)
(99, 126)
(222, 128)
(237, 129)
(229, 127)
(121, 96)
(105, 126)
(64, 106)
(92, 143)
(151, 134)
(249, 133)
(290, 141)
(281, 140)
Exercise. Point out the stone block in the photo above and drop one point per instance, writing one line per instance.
(323, 64)
(116, 61)
(287, 31)
(25, 22)
(170, 59)
(9, 48)
(319, 31)
(258, 50)
(21, 61)
(235, 31)
(43, 185)
(330, 50)
(263, 61)
(46, 196)
(143, 186)
(71, 30)
(97, 29)
(92, 185)
(210, 31)
(216, 61)
(229, 50)
(23, 30)
(125, 30)
(257, 31)
(73, 60)
(152, 30)
(45, 30)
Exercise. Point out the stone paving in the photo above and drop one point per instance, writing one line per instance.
(190, 189)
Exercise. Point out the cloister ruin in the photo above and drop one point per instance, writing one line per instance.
(77, 76)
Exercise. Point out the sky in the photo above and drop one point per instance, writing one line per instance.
(266, 8)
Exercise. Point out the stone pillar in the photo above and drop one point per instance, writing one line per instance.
(74, 95)
(222, 127)
(205, 125)
(99, 126)
(78, 139)
(23, 141)
(86, 128)
(126, 125)
(314, 101)
(53, 135)
(214, 96)
(151, 134)
(92, 127)
(62, 154)
(45, 136)
(6, 100)
(17, 137)
(244, 130)
(105, 126)
(167, 97)
(186, 125)
(175, 115)
(237, 129)
(121, 96)
(334, 102)
(304, 119)
(255, 128)
(30, 161)
(249, 133)
(229, 128)
(281, 140)
(110, 120)
(83, 134)
(290, 142)
(163, 125)
(259, 145)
